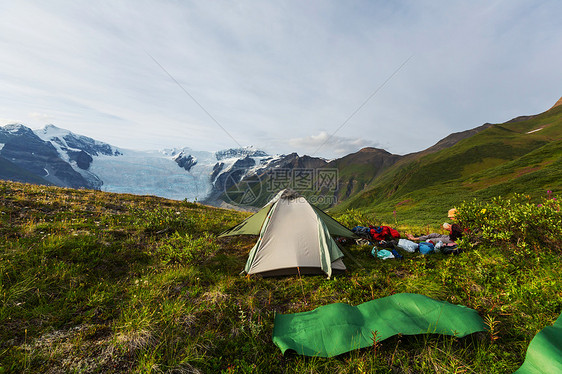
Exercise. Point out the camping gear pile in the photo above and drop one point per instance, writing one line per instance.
(386, 240)
(382, 237)
(376, 234)
(428, 247)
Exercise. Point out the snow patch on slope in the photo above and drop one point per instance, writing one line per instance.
(55, 136)
(65, 141)
(15, 128)
(535, 130)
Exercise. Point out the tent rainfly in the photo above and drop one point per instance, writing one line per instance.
(295, 237)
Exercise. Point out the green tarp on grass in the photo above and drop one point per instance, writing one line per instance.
(334, 329)
(544, 354)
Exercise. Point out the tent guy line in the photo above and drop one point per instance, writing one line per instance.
(192, 98)
(363, 104)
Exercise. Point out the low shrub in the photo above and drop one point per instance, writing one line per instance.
(515, 223)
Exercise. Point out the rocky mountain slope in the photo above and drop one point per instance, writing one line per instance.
(29, 154)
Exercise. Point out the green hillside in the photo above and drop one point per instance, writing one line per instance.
(358, 170)
(520, 156)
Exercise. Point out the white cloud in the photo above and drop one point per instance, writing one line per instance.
(326, 144)
(5, 121)
(41, 117)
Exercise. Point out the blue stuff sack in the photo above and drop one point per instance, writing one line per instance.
(396, 254)
(382, 254)
(426, 248)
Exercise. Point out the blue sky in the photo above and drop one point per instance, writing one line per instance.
(282, 76)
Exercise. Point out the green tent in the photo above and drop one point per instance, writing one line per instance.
(295, 237)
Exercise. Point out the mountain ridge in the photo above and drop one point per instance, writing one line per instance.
(57, 156)
(357, 171)
(523, 156)
(559, 102)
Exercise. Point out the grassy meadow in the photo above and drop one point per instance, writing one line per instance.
(93, 282)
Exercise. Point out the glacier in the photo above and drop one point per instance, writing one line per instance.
(158, 172)
(154, 173)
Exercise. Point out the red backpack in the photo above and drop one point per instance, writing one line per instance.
(384, 233)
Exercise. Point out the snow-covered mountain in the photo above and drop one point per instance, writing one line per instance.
(26, 157)
(77, 150)
(63, 158)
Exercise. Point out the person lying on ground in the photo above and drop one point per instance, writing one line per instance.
(455, 232)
